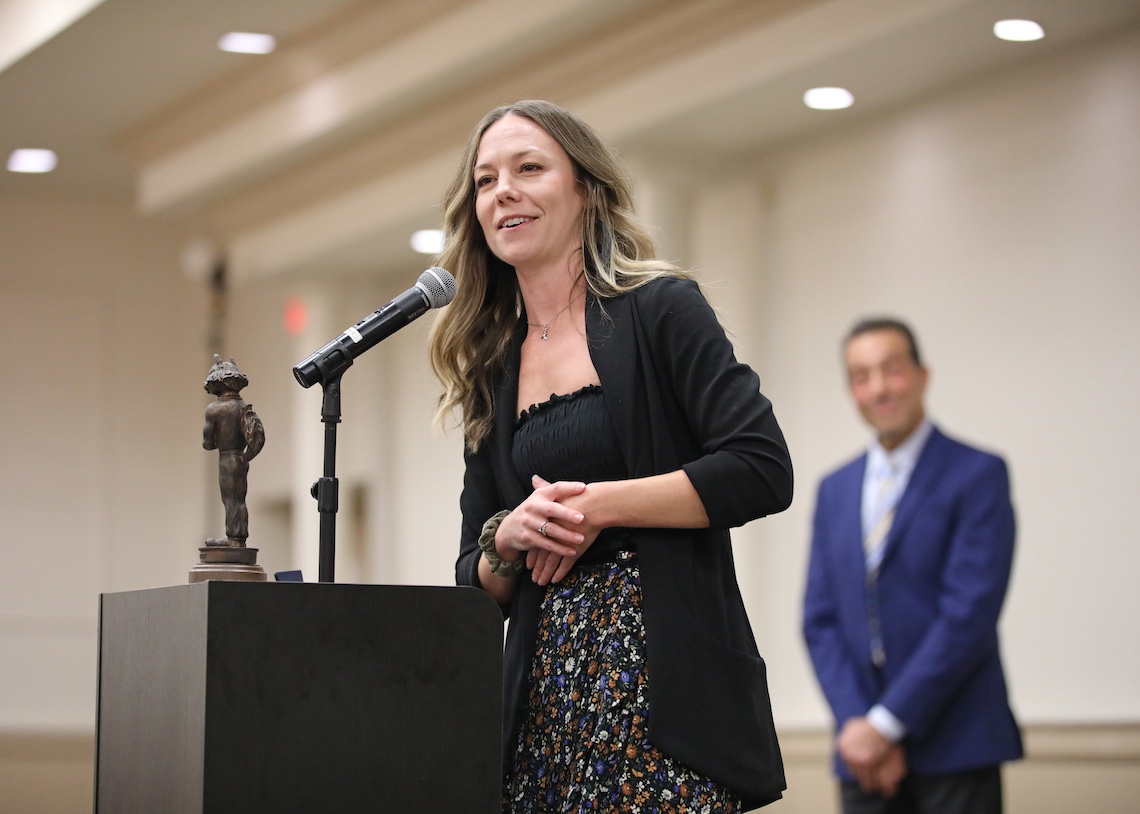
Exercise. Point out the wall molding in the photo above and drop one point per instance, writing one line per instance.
(1112, 741)
(1098, 742)
(46, 747)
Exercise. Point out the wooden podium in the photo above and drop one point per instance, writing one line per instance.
(299, 697)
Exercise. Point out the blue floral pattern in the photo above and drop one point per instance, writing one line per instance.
(583, 744)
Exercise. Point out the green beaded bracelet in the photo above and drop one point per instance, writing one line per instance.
(487, 543)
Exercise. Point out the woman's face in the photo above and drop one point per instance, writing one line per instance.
(527, 198)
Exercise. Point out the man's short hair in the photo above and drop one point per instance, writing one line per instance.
(870, 324)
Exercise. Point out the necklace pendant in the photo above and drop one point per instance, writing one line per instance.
(543, 337)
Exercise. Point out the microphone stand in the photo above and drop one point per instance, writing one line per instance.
(435, 288)
(327, 489)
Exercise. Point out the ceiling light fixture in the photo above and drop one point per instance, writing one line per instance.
(828, 98)
(32, 161)
(239, 42)
(428, 241)
(1018, 30)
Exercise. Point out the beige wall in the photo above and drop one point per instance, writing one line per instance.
(101, 487)
(999, 217)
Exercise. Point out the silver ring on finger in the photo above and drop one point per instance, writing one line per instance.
(542, 528)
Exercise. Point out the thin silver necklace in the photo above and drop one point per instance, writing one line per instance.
(556, 316)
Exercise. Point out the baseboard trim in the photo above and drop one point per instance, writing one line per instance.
(1097, 742)
(50, 747)
(1067, 742)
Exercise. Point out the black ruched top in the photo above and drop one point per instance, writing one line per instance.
(571, 437)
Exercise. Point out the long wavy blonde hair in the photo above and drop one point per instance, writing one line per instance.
(469, 340)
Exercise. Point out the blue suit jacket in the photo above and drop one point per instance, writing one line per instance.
(943, 578)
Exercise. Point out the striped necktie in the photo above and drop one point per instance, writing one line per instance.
(881, 517)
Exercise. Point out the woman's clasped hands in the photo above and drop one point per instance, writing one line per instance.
(548, 528)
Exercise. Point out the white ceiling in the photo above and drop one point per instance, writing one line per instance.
(121, 63)
(891, 64)
(137, 101)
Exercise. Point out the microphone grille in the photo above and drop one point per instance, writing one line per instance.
(438, 285)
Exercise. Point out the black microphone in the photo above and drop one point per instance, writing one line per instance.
(434, 289)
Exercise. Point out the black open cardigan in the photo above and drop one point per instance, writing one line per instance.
(678, 398)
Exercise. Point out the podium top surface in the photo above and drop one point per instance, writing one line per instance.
(471, 600)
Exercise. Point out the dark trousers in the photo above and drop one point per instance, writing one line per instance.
(973, 792)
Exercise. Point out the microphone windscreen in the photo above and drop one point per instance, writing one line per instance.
(438, 286)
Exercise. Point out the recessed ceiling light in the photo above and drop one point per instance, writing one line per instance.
(828, 98)
(428, 241)
(32, 161)
(1018, 30)
(239, 42)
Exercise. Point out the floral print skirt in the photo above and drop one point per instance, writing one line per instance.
(583, 744)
